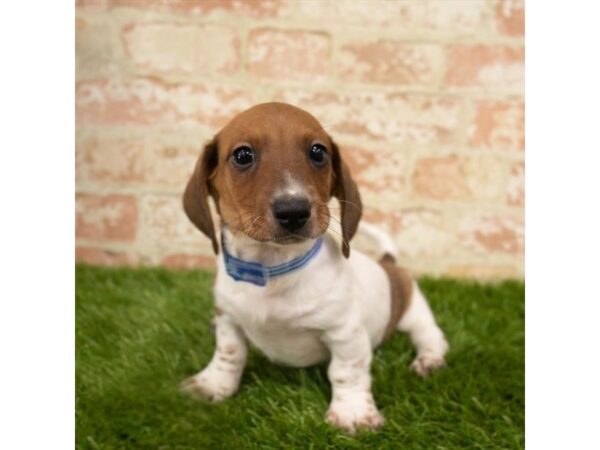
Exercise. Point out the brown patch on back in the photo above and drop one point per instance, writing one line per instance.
(400, 292)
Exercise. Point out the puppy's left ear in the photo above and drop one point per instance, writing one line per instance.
(345, 189)
(195, 198)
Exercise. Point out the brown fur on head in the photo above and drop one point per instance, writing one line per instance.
(279, 138)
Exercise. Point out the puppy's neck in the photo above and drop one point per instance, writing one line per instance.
(266, 253)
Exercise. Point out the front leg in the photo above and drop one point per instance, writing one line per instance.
(221, 378)
(352, 405)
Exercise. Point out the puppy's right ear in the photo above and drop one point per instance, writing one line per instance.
(195, 198)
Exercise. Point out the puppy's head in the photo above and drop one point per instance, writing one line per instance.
(271, 172)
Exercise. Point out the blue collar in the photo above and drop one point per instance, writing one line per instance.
(259, 274)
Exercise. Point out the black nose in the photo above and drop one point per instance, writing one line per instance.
(291, 213)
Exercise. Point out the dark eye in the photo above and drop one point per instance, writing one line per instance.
(243, 157)
(318, 154)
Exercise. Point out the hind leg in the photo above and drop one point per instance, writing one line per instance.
(425, 334)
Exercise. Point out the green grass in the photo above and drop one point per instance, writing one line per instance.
(140, 332)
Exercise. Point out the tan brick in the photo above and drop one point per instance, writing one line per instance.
(187, 261)
(155, 161)
(498, 125)
(166, 227)
(196, 49)
(515, 190)
(398, 118)
(459, 178)
(103, 257)
(292, 55)
(109, 217)
(95, 5)
(150, 102)
(493, 234)
(456, 16)
(496, 67)
(96, 49)
(417, 232)
(251, 8)
(510, 17)
(481, 272)
(391, 62)
(409, 17)
(423, 233)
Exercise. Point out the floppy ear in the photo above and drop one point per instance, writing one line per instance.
(195, 198)
(345, 189)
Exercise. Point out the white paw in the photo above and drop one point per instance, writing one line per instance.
(423, 365)
(355, 413)
(211, 384)
(430, 358)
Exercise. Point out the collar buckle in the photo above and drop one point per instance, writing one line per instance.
(251, 272)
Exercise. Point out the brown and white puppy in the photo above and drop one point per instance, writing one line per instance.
(271, 172)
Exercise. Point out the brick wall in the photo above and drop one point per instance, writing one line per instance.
(425, 98)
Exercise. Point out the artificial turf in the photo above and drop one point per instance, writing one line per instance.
(140, 332)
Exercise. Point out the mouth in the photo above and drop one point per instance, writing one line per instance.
(289, 239)
(281, 237)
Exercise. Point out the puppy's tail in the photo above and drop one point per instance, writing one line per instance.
(383, 240)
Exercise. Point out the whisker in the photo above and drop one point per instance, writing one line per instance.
(339, 207)
(339, 234)
(251, 226)
(330, 216)
(350, 203)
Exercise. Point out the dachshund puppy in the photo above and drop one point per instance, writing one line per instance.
(283, 283)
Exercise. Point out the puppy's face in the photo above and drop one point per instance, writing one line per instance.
(271, 172)
(274, 175)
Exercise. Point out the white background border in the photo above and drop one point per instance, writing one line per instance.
(562, 240)
(37, 361)
(562, 225)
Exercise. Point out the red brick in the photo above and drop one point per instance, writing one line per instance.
(459, 178)
(183, 48)
(493, 234)
(155, 161)
(391, 62)
(109, 217)
(497, 67)
(187, 261)
(378, 171)
(150, 102)
(398, 118)
(510, 17)
(252, 8)
(515, 190)
(440, 178)
(102, 257)
(292, 55)
(499, 125)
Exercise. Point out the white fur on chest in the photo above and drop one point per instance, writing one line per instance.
(287, 318)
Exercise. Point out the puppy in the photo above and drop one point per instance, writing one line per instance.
(282, 282)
